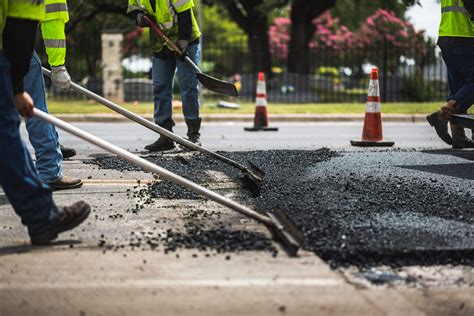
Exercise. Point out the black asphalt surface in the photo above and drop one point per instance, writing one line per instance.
(363, 208)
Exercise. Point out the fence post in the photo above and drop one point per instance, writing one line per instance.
(112, 73)
(384, 70)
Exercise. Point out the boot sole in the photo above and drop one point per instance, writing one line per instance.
(151, 149)
(66, 187)
(38, 241)
(444, 138)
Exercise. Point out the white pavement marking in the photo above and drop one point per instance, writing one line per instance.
(223, 283)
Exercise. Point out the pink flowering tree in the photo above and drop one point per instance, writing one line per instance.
(392, 37)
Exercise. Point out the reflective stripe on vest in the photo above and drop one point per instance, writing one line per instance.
(55, 43)
(455, 20)
(56, 7)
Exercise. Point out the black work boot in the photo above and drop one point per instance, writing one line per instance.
(69, 217)
(460, 139)
(440, 123)
(67, 152)
(193, 130)
(163, 143)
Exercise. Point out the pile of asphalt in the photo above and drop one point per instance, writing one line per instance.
(349, 216)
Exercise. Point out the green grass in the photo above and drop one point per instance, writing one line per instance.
(89, 107)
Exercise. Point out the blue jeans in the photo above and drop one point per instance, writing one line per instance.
(43, 136)
(163, 78)
(460, 64)
(31, 200)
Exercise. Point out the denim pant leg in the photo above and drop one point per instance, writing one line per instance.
(460, 64)
(188, 83)
(42, 135)
(162, 74)
(31, 200)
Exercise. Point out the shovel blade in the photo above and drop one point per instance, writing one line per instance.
(285, 231)
(216, 85)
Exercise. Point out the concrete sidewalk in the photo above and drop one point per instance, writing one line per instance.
(402, 118)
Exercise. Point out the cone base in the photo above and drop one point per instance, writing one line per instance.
(261, 128)
(368, 143)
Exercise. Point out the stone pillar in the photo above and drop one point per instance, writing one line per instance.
(112, 71)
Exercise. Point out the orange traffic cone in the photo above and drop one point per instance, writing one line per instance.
(261, 114)
(372, 133)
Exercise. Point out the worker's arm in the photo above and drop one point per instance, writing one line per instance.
(54, 37)
(185, 27)
(18, 44)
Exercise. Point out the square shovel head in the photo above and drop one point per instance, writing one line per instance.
(285, 231)
(217, 85)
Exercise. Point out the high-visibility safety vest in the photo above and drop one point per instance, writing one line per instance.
(22, 9)
(166, 16)
(455, 20)
(52, 29)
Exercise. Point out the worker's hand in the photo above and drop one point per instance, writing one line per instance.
(60, 77)
(183, 47)
(140, 19)
(24, 103)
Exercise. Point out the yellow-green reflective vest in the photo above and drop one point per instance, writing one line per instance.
(455, 20)
(52, 29)
(166, 16)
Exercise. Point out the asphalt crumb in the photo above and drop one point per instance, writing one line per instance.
(348, 216)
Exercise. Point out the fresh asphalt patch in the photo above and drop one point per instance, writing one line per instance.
(357, 208)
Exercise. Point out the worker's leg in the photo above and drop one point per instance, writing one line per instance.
(189, 89)
(162, 74)
(20, 181)
(43, 136)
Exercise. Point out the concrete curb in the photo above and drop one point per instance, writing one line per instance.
(107, 118)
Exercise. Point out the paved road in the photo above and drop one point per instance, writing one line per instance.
(232, 137)
(78, 277)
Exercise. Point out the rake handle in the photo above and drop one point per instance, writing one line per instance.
(146, 123)
(146, 165)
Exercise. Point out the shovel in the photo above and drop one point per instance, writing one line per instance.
(207, 81)
(282, 228)
(253, 176)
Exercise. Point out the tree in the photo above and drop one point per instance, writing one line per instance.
(302, 29)
(252, 17)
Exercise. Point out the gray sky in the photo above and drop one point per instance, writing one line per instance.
(426, 17)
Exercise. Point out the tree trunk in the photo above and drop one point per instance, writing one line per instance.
(254, 22)
(302, 29)
(259, 49)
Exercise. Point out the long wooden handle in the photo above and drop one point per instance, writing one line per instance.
(162, 35)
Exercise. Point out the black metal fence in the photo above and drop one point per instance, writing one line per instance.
(407, 74)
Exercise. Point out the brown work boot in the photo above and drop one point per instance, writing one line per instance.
(65, 183)
(68, 218)
(460, 139)
(163, 143)
(449, 109)
(440, 123)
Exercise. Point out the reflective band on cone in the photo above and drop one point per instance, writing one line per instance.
(372, 134)
(261, 114)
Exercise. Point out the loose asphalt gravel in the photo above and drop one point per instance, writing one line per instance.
(354, 208)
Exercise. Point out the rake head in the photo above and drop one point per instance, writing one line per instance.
(285, 231)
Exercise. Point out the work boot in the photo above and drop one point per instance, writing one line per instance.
(460, 139)
(67, 152)
(68, 218)
(440, 123)
(65, 183)
(163, 143)
(193, 130)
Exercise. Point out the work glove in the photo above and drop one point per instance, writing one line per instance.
(60, 77)
(183, 47)
(140, 19)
